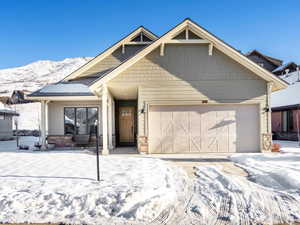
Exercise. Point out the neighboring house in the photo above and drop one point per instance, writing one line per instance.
(6, 123)
(186, 91)
(286, 68)
(18, 97)
(269, 63)
(285, 109)
(4, 97)
(15, 97)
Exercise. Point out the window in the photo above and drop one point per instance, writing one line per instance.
(287, 121)
(2, 117)
(80, 120)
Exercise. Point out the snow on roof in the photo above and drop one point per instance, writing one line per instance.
(282, 67)
(61, 89)
(286, 97)
(65, 87)
(291, 78)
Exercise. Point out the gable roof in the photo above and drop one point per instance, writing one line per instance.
(110, 50)
(203, 33)
(274, 61)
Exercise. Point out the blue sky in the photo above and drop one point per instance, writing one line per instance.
(55, 29)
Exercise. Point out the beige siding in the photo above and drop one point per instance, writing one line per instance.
(186, 73)
(112, 60)
(56, 114)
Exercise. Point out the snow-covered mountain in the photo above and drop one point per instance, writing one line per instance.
(32, 77)
(35, 75)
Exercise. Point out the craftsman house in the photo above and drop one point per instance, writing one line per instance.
(185, 91)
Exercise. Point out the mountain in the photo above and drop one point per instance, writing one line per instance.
(37, 74)
(30, 78)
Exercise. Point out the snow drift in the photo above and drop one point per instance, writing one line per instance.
(60, 187)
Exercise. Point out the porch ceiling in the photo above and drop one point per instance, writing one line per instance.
(119, 91)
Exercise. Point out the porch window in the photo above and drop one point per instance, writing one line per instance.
(287, 121)
(80, 120)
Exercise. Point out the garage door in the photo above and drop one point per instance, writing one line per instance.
(183, 129)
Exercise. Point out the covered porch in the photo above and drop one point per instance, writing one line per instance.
(69, 122)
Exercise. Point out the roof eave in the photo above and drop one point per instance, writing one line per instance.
(218, 43)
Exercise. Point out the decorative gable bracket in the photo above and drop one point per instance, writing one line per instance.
(186, 36)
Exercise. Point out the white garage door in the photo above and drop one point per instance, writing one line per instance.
(210, 128)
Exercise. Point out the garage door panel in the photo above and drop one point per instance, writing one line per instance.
(195, 131)
(210, 128)
(156, 145)
(181, 144)
(166, 122)
(210, 131)
(181, 124)
(167, 144)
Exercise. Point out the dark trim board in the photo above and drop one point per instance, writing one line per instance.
(283, 108)
(118, 104)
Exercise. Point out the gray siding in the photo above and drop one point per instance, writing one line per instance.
(186, 73)
(6, 128)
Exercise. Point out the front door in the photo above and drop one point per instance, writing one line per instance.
(126, 124)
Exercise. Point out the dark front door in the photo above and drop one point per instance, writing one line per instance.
(126, 124)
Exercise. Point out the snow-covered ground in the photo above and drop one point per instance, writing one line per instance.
(277, 171)
(222, 198)
(288, 146)
(60, 186)
(41, 187)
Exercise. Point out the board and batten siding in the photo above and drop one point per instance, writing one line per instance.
(186, 74)
(56, 114)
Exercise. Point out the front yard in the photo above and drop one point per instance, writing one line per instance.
(42, 187)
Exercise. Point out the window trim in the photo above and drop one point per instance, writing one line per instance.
(75, 117)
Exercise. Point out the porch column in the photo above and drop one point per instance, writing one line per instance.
(104, 120)
(110, 143)
(43, 125)
(46, 118)
(269, 114)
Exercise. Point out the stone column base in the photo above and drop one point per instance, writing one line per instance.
(143, 144)
(267, 142)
